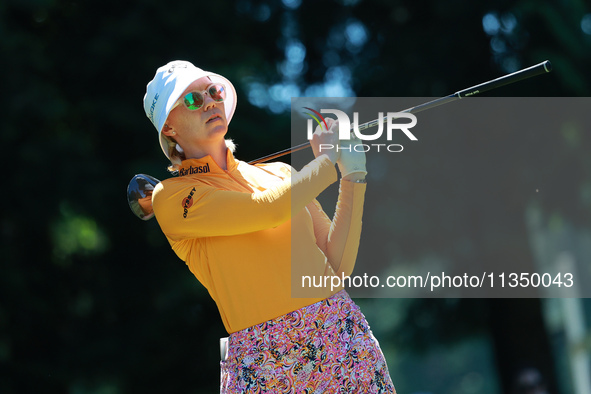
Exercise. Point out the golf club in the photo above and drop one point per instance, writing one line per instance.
(139, 190)
(139, 195)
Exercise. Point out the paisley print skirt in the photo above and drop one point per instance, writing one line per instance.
(326, 347)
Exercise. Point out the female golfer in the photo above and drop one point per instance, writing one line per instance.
(248, 233)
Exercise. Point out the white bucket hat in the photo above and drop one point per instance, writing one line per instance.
(166, 88)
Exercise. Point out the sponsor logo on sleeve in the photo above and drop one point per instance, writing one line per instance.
(187, 203)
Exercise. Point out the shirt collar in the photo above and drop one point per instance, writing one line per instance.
(206, 165)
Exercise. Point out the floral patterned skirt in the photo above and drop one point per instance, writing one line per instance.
(326, 347)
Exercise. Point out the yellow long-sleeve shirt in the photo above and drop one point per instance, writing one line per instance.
(249, 233)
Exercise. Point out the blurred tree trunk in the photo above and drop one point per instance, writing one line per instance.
(516, 325)
(520, 340)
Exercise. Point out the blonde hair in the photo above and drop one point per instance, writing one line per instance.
(177, 155)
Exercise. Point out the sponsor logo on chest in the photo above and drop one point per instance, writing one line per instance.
(194, 170)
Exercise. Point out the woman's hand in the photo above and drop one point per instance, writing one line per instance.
(351, 160)
(325, 142)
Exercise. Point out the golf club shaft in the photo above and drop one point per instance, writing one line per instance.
(538, 69)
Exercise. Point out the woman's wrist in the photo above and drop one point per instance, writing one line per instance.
(357, 177)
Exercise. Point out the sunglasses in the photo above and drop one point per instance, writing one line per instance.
(195, 100)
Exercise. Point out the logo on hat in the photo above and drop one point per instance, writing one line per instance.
(177, 65)
(152, 107)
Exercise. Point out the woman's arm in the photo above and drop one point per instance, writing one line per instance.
(216, 212)
(339, 238)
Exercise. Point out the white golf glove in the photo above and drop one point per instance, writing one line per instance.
(350, 160)
(326, 137)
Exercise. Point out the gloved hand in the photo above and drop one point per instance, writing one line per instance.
(351, 161)
(325, 139)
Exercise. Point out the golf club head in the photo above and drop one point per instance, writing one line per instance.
(139, 195)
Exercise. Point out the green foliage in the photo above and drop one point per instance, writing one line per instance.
(74, 234)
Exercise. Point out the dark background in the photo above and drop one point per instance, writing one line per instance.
(92, 300)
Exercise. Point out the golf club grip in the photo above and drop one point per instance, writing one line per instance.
(538, 69)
